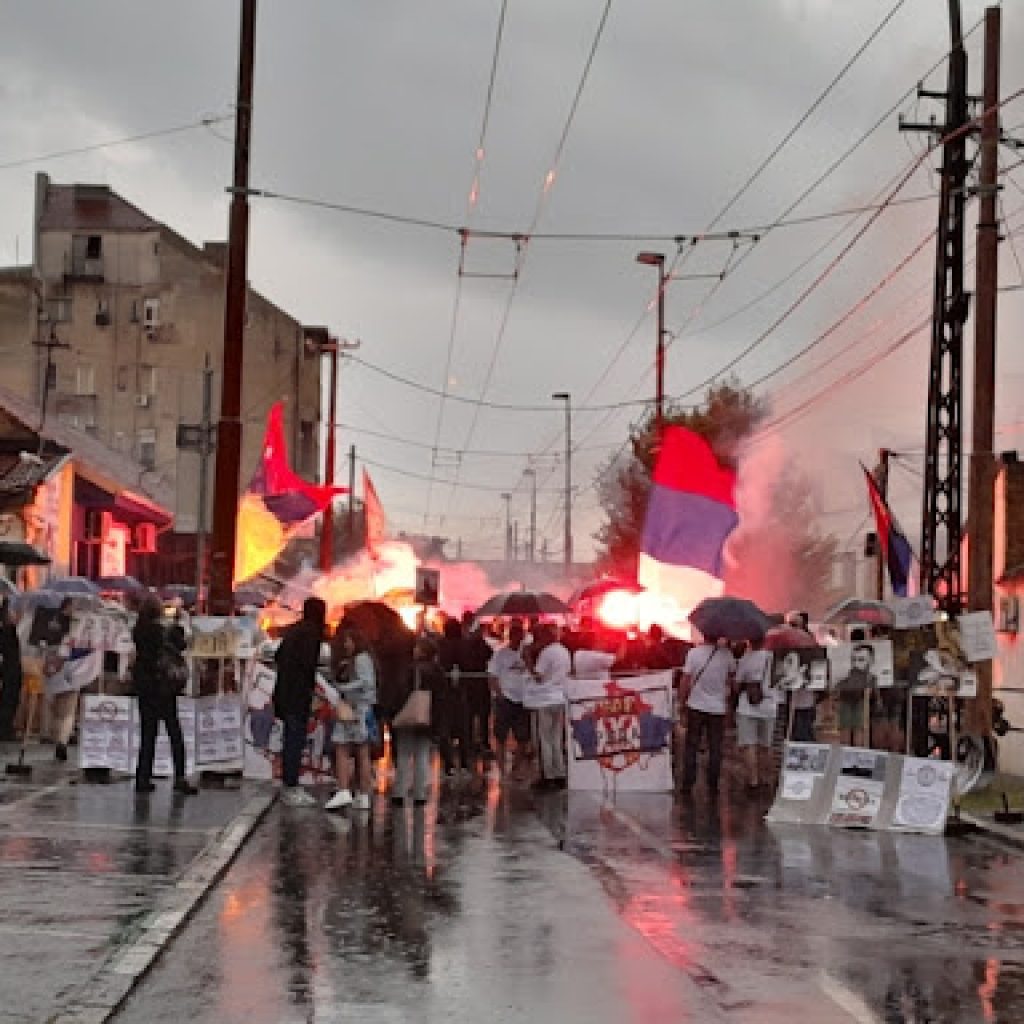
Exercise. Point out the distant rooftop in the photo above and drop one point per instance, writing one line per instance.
(90, 207)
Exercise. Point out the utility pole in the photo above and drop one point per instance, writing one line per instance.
(942, 532)
(327, 522)
(352, 493)
(564, 396)
(981, 497)
(657, 259)
(229, 427)
(201, 438)
(515, 541)
(507, 498)
(205, 448)
(532, 548)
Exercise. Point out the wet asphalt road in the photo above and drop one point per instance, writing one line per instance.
(497, 906)
(80, 867)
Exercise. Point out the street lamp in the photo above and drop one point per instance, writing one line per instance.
(532, 474)
(657, 259)
(564, 396)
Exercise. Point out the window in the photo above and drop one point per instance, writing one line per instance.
(147, 448)
(85, 379)
(87, 256)
(93, 247)
(147, 380)
(102, 313)
(58, 309)
(151, 313)
(307, 453)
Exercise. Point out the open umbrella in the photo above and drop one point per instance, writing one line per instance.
(120, 585)
(74, 585)
(525, 603)
(788, 638)
(730, 618)
(17, 553)
(856, 609)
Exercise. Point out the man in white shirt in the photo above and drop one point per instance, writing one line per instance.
(545, 696)
(509, 679)
(707, 683)
(755, 713)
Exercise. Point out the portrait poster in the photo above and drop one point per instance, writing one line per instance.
(800, 668)
(861, 666)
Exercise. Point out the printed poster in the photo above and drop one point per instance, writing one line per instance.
(802, 763)
(804, 668)
(857, 797)
(105, 733)
(924, 796)
(854, 668)
(619, 733)
(912, 612)
(978, 637)
(218, 729)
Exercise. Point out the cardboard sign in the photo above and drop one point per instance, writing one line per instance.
(857, 797)
(911, 612)
(428, 586)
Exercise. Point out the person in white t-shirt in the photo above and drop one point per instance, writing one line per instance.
(755, 713)
(707, 683)
(509, 679)
(545, 696)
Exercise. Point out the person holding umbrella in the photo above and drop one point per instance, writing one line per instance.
(705, 691)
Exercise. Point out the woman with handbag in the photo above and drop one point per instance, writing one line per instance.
(355, 677)
(755, 713)
(416, 724)
(157, 690)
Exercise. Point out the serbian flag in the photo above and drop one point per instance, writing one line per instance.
(896, 552)
(276, 503)
(690, 513)
(376, 523)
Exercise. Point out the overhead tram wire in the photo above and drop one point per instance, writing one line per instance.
(471, 201)
(750, 181)
(202, 122)
(521, 249)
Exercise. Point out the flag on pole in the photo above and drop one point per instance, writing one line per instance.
(896, 552)
(276, 503)
(376, 522)
(690, 513)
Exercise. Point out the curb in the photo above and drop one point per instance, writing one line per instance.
(102, 996)
(1013, 836)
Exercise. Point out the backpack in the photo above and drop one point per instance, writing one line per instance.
(171, 670)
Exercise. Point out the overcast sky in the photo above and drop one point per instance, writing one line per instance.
(378, 104)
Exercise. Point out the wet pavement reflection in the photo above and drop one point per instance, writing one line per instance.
(494, 905)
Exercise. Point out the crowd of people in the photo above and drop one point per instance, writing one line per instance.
(494, 695)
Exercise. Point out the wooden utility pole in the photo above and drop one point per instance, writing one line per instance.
(327, 522)
(229, 426)
(981, 499)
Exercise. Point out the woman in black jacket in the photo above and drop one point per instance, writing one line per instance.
(415, 742)
(10, 654)
(158, 701)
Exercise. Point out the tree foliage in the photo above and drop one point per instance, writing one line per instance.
(778, 557)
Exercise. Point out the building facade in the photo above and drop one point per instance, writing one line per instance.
(113, 324)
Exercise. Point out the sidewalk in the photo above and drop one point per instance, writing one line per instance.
(94, 880)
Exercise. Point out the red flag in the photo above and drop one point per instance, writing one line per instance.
(276, 503)
(376, 523)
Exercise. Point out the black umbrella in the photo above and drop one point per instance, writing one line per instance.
(856, 609)
(730, 618)
(74, 585)
(17, 553)
(120, 585)
(526, 603)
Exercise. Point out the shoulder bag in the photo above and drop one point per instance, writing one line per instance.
(415, 712)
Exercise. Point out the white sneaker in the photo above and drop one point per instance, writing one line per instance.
(340, 800)
(361, 802)
(296, 796)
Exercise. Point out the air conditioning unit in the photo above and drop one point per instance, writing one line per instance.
(143, 401)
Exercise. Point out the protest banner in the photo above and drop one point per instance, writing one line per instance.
(105, 731)
(618, 733)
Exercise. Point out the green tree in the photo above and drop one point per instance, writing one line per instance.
(778, 558)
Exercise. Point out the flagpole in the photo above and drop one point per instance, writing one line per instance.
(882, 480)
